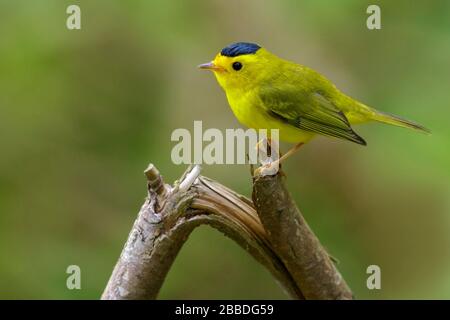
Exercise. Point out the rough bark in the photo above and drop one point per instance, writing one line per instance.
(296, 245)
(276, 236)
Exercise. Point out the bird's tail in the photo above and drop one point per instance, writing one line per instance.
(397, 121)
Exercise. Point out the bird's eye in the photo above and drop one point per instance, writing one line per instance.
(237, 65)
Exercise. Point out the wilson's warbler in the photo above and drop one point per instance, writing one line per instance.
(267, 92)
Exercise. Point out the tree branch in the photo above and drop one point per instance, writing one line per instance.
(169, 215)
(297, 246)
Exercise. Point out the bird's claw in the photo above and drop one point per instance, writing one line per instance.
(267, 169)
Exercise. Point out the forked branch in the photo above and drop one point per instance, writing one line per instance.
(283, 243)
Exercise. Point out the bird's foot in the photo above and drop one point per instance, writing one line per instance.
(267, 169)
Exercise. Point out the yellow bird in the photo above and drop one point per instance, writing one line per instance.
(267, 92)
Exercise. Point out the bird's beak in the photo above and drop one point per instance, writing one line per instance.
(211, 66)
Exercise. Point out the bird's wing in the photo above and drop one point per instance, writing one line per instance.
(312, 112)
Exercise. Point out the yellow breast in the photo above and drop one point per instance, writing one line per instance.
(247, 109)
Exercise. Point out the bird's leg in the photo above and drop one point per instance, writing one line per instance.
(261, 144)
(264, 146)
(274, 165)
(290, 152)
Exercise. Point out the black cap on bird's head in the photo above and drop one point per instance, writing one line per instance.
(239, 48)
(236, 62)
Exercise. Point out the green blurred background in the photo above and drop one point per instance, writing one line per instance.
(83, 112)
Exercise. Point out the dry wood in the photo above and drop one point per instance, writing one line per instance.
(276, 236)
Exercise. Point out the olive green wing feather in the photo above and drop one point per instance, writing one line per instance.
(310, 112)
